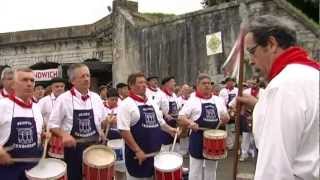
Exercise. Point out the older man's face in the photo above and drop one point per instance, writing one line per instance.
(8, 81)
(82, 78)
(260, 57)
(24, 84)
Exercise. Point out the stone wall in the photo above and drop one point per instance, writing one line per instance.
(177, 45)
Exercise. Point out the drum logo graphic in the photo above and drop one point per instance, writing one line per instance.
(25, 136)
(150, 121)
(211, 115)
(84, 126)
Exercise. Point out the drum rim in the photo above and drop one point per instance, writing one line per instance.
(205, 134)
(168, 170)
(220, 157)
(114, 141)
(49, 178)
(94, 147)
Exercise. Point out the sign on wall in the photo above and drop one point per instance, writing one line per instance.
(45, 75)
(214, 43)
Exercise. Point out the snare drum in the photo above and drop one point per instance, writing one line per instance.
(98, 163)
(168, 166)
(214, 144)
(56, 147)
(118, 147)
(50, 168)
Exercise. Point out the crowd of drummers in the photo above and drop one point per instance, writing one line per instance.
(146, 128)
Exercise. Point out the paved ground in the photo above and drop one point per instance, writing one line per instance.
(225, 167)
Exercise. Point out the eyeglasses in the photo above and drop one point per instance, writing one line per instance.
(253, 49)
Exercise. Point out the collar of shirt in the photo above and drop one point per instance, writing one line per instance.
(138, 98)
(167, 91)
(76, 93)
(202, 96)
(53, 97)
(20, 102)
(152, 89)
(4, 93)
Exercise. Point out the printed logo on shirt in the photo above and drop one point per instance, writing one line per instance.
(211, 114)
(25, 136)
(85, 129)
(151, 120)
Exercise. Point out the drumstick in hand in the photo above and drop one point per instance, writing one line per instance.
(175, 139)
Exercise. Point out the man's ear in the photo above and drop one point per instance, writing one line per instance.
(273, 44)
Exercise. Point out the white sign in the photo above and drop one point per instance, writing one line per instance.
(214, 43)
(45, 75)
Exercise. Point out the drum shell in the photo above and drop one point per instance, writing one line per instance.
(56, 147)
(214, 144)
(94, 172)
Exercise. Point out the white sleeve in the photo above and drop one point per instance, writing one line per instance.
(278, 139)
(41, 105)
(187, 108)
(102, 110)
(222, 108)
(123, 117)
(159, 115)
(223, 94)
(163, 103)
(57, 114)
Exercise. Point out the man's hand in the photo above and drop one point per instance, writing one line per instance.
(45, 135)
(247, 100)
(174, 131)
(68, 140)
(5, 158)
(224, 118)
(141, 156)
(194, 126)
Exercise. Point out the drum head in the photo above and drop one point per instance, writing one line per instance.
(215, 134)
(98, 156)
(116, 143)
(47, 169)
(168, 161)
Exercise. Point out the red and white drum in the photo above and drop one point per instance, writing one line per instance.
(214, 144)
(98, 163)
(50, 168)
(168, 166)
(56, 147)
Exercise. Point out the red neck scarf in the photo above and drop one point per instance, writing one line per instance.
(202, 96)
(293, 55)
(3, 94)
(83, 97)
(167, 91)
(137, 98)
(254, 91)
(152, 89)
(21, 103)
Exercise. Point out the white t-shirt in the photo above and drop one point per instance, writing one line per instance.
(181, 101)
(46, 105)
(224, 93)
(4, 92)
(192, 108)
(128, 113)
(154, 95)
(6, 112)
(62, 113)
(286, 126)
(164, 101)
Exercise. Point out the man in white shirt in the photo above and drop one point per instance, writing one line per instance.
(7, 82)
(228, 93)
(20, 127)
(202, 110)
(169, 108)
(286, 116)
(153, 91)
(77, 114)
(139, 121)
(46, 105)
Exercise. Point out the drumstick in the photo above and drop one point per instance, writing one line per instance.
(149, 155)
(175, 139)
(45, 143)
(9, 148)
(17, 160)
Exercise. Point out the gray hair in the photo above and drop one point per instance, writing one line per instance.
(72, 69)
(5, 72)
(24, 69)
(262, 27)
(202, 76)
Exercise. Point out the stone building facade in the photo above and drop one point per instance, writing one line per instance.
(127, 41)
